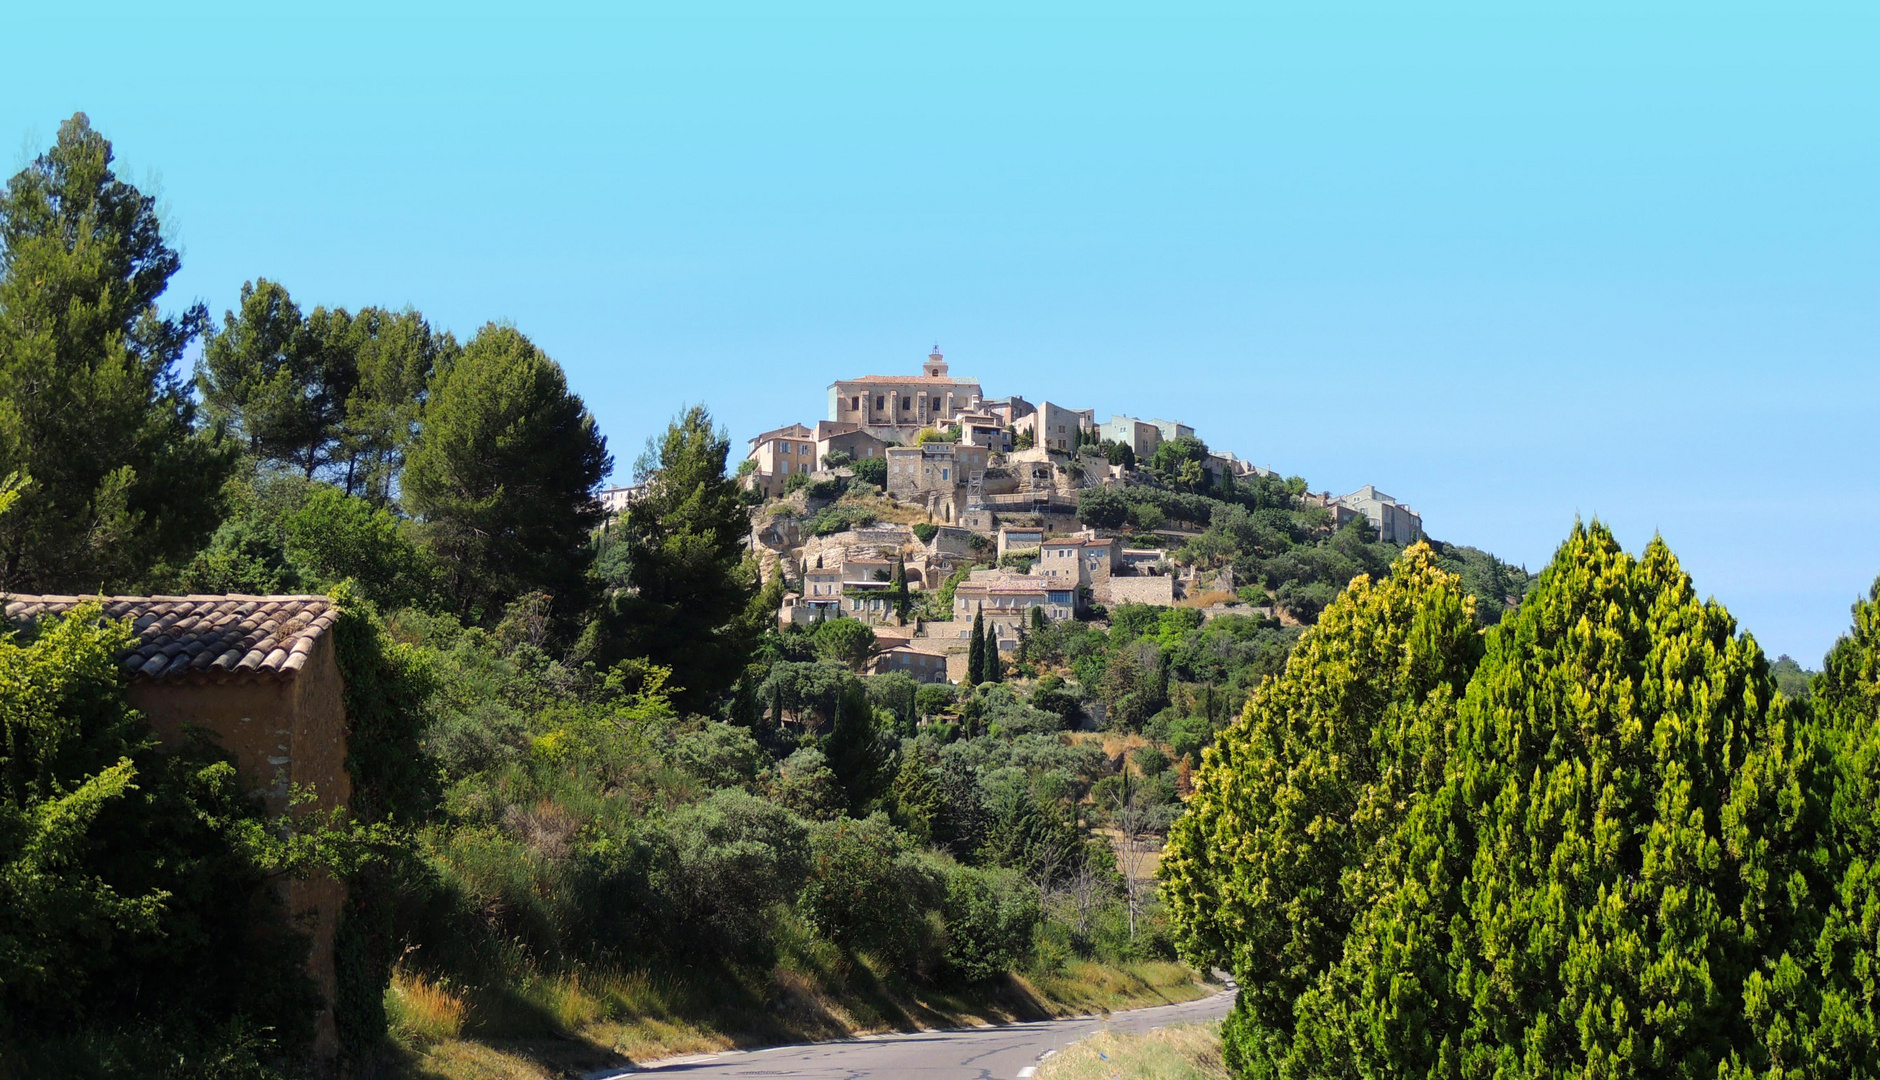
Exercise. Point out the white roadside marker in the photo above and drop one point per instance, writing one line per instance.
(1029, 1070)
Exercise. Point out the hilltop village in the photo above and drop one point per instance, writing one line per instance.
(920, 506)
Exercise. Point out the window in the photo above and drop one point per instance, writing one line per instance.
(936, 404)
(878, 401)
(906, 403)
(855, 404)
(943, 474)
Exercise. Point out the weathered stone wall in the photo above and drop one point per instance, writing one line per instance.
(1135, 590)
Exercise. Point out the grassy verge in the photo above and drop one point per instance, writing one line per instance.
(1181, 1052)
(540, 1025)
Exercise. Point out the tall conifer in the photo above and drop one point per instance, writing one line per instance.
(1614, 858)
(976, 651)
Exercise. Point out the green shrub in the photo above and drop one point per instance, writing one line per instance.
(865, 890)
(926, 531)
(990, 917)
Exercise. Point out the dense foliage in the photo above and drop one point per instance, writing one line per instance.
(1606, 856)
(118, 477)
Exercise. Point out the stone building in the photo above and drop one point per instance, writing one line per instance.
(925, 661)
(1395, 523)
(1172, 430)
(1008, 598)
(781, 454)
(1082, 562)
(1054, 427)
(845, 438)
(936, 472)
(261, 675)
(1141, 436)
(896, 407)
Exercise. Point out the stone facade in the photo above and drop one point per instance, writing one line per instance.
(1395, 523)
(898, 406)
(1054, 427)
(1141, 436)
(781, 454)
(260, 673)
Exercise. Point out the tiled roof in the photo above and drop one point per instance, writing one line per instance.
(906, 380)
(203, 635)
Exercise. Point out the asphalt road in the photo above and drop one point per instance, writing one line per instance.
(1008, 1052)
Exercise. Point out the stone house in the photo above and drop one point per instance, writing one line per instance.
(781, 454)
(822, 589)
(1081, 561)
(897, 406)
(1054, 427)
(261, 675)
(1008, 598)
(941, 468)
(848, 439)
(1018, 539)
(1141, 436)
(1172, 430)
(1395, 523)
(925, 661)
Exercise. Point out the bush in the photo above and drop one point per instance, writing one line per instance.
(990, 918)
(1101, 508)
(865, 891)
(872, 470)
(932, 699)
(727, 861)
(925, 531)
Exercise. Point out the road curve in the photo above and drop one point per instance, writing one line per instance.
(1006, 1052)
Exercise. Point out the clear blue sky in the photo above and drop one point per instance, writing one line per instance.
(1508, 267)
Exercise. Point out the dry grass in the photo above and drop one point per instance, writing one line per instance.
(1181, 1052)
(425, 1011)
(609, 1019)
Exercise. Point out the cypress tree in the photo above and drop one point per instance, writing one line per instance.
(976, 651)
(1839, 1024)
(1296, 790)
(1612, 875)
(995, 668)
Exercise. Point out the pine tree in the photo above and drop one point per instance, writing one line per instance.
(504, 476)
(1611, 877)
(687, 590)
(976, 651)
(120, 480)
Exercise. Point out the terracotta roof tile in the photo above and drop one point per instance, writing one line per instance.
(265, 635)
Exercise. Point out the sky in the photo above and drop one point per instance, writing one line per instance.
(1513, 264)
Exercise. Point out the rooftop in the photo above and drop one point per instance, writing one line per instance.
(212, 636)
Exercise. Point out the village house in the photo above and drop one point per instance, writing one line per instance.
(1054, 427)
(1082, 562)
(1019, 539)
(1172, 430)
(779, 455)
(846, 438)
(1008, 598)
(1395, 523)
(1140, 436)
(896, 407)
(935, 474)
(261, 675)
(923, 660)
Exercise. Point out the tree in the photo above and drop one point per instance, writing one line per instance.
(1302, 786)
(92, 412)
(1101, 508)
(995, 667)
(976, 651)
(1612, 876)
(684, 542)
(504, 474)
(1835, 1013)
(846, 641)
(280, 381)
(897, 589)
